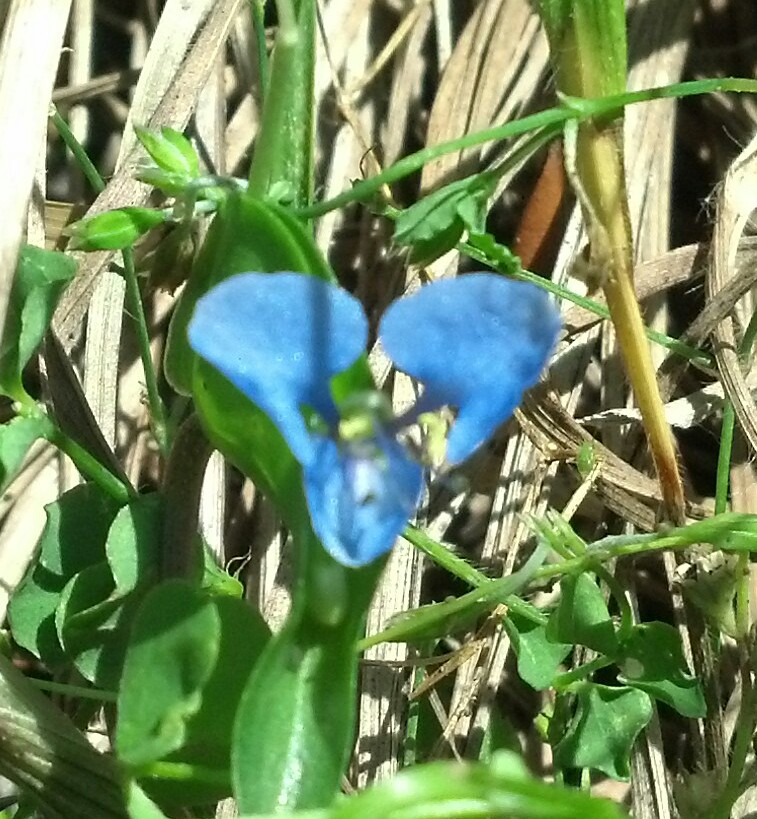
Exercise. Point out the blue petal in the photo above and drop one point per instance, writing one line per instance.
(476, 343)
(360, 495)
(279, 338)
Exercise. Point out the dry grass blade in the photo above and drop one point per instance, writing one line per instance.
(734, 205)
(29, 54)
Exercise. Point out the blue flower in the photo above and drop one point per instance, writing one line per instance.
(475, 343)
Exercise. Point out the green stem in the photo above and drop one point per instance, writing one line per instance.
(446, 559)
(86, 463)
(78, 691)
(742, 743)
(257, 9)
(572, 109)
(182, 486)
(581, 672)
(747, 720)
(186, 772)
(90, 467)
(724, 458)
(91, 174)
(732, 533)
(136, 308)
(729, 422)
(134, 304)
(284, 152)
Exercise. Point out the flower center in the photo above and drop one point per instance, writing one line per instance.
(363, 415)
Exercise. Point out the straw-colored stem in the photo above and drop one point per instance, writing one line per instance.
(599, 176)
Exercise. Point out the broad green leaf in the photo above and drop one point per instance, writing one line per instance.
(73, 538)
(93, 622)
(170, 150)
(436, 223)
(582, 616)
(309, 673)
(134, 548)
(243, 636)
(602, 732)
(208, 733)
(250, 440)
(174, 647)
(114, 229)
(539, 658)
(248, 234)
(651, 659)
(41, 277)
(134, 543)
(16, 439)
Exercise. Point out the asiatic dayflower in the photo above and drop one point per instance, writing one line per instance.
(474, 343)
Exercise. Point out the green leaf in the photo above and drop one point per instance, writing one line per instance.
(306, 716)
(16, 439)
(602, 732)
(170, 150)
(134, 548)
(174, 647)
(436, 223)
(651, 659)
(41, 277)
(139, 805)
(539, 658)
(134, 543)
(73, 538)
(115, 229)
(249, 234)
(582, 616)
(713, 589)
(93, 623)
(243, 636)
(208, 733)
